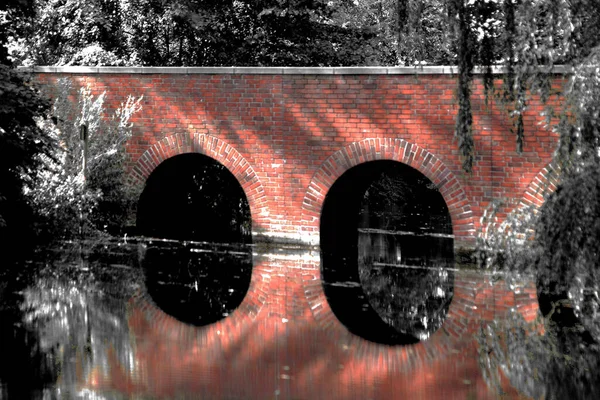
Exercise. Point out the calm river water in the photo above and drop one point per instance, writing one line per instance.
(175, 320)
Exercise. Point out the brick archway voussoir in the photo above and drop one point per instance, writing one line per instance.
(544, 183)
(394, 149)
(215, 148)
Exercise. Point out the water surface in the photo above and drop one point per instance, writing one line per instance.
(168, 320)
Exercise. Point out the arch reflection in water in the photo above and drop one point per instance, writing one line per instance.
(197, 285)
(387, 249)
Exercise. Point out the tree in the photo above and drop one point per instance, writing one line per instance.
(566, 224)
(68, 195)
(66, 32)
(21, 139)
(557, 246)
(188, 32)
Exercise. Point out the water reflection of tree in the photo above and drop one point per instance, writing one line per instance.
(563, 362)
(74, 317)
(414, 302)
(20, 348)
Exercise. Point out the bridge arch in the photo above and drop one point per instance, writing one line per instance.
(425, 163)
(372, 149)
(215, 148)
(245, 309)
(544, 183)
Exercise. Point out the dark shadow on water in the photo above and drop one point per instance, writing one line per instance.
(386, 242)
(198, 285)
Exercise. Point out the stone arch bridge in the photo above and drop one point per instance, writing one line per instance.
(287, 135)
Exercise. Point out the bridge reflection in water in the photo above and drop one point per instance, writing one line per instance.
(110, 337)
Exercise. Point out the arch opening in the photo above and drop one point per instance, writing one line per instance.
(202, 275)
(387, 250)
(194, 197)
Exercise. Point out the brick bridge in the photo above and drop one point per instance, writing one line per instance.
(287, 134)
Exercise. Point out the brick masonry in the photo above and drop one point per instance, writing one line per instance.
(287, 135)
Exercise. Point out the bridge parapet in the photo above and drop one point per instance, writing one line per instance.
(411, 70)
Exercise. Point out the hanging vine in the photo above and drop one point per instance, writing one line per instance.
(465, 53)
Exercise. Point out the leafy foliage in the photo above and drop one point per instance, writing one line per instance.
(21, 140)
(558, 247)
(63, 32)
(189, 32)
(560, 363)
(568, 236)
(96, 197)
(422, 36)
(505, 244)
(528, 39)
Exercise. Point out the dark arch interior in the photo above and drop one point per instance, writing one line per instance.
(205, 276)
(193, 197)
(386, 243)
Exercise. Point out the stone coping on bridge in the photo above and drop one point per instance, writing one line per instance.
(415, 70)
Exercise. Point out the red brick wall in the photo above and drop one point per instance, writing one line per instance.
(288, 136)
